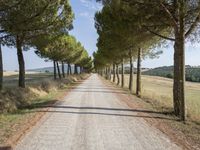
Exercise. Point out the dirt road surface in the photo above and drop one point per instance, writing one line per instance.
(92, 117)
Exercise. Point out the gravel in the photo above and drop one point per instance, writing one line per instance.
(92, 117)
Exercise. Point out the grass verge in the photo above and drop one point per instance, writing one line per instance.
(17, 115)
(157, 98)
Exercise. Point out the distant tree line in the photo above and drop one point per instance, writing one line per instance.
(192, 73)
(43, 25)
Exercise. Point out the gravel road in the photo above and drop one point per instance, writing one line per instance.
(92, 117)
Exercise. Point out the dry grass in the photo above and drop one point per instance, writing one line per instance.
(10, 73)
(15, 103)
(159, 91)
(32, 78)
(12, 122)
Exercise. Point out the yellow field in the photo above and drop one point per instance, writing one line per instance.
(159, 90)
(10, 73)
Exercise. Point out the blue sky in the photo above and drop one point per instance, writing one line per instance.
(85, 32)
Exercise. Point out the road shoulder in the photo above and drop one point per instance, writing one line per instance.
(168, 124)
(30, 117)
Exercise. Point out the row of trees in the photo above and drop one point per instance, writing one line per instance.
(23, 22)
(64, 49)
(192, 73)
(132, 29)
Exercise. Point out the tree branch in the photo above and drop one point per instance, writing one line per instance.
(162, 36)
(192, 27)
(169, 14)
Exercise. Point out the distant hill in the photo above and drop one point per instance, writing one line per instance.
(192, 73)
(47, 69)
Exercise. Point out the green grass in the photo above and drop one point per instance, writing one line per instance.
(159, 91)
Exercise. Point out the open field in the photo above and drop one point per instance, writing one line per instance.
(159, 91)
(11, 78)
(10, 73)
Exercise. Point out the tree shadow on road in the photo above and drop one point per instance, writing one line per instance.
(105, 108)
(108, 114)
(100, 91)
(105, 111)
(5, 148)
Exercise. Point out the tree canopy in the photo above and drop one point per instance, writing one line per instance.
(124, 26)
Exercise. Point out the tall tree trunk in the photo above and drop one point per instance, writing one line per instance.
(176, 101)
(59, 74)
(138, 86)
(75, 69)
(70, 69)
(179, 67)
(122, 73)
(67, 68)
(114, 73)
(131, 74)
(80, 70)
(1, 69)
(54, 70)
(106, 73)
(110, 73)
(21, 63)
(63, 69)
(117, 72)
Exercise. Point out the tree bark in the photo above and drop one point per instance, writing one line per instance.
(21, 63)
(122, 73)
(58, 70)
(108, 69)
(70, 69)
(131, 74)
(179, 67)
(114, 73)
(138, 86)
(80, 70)
(54, 70)
(63, 69)
(68, 65)
(75, 69)
(110, 73)
(106, 73)
(1, 69)
(117, 72)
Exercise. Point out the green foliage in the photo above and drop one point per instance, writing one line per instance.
(120, 35)
(192, 73)
(28, 19)
(43, 24)
(63, 48)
